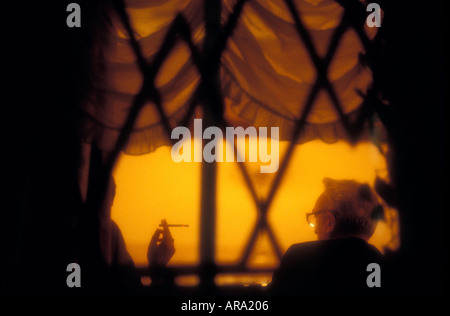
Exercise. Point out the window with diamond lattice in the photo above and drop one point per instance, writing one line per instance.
(295, 65)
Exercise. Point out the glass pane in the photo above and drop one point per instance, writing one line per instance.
(302, 185)
(236, 212)
(263, 255)
(152, 187)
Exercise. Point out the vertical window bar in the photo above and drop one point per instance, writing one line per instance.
(212, 113)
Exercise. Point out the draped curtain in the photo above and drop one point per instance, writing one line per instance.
(266, 71)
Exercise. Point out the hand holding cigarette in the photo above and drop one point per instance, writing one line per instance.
(161, 249)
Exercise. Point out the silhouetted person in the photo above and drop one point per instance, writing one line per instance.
(344, 218)
(160, 250)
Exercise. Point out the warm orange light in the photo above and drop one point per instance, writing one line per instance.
(151, 187)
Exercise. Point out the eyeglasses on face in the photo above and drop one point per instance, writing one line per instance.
(311, 218)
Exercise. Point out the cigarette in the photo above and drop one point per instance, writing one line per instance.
(175, 225)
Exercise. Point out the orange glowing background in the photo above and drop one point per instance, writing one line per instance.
(151, 187)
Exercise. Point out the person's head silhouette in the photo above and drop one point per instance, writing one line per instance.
(345, 209)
